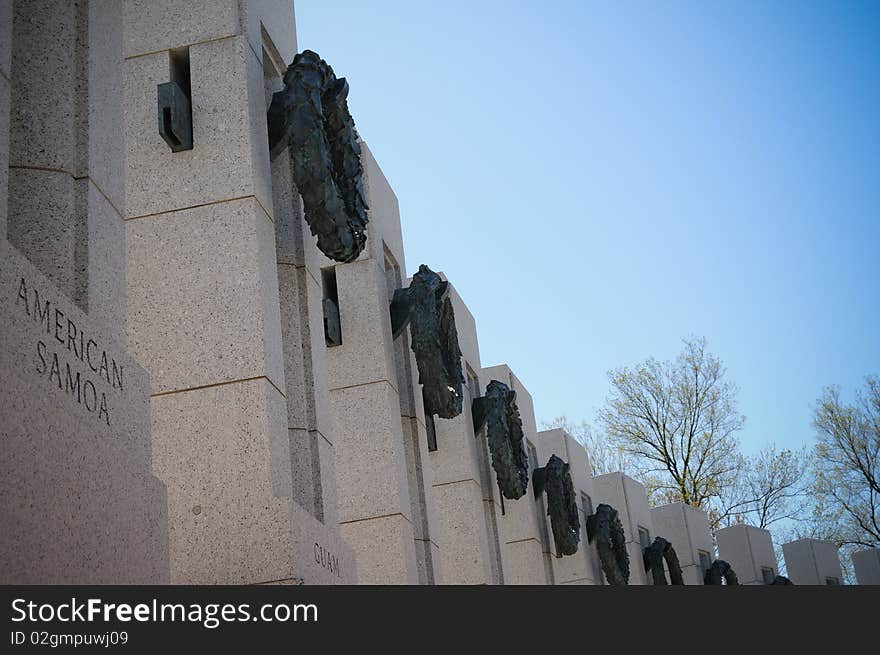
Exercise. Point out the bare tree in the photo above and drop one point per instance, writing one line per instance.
(847, 466)
(772, 486)
(679, 419)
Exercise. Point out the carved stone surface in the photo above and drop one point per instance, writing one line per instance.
(606, 529)
(310, 115)
(498, 411)
(718, 571)
(655, 555)
(555, 480)
(426, 307)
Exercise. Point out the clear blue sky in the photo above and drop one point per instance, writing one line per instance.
(600, 180)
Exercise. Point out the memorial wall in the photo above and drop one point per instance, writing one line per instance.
(216, 370)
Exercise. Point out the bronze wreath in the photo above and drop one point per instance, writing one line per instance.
(425, 305)
(720, 569)
(605, 527)
(654, 556)
(555, 479)
(498, 411)
(310, 115)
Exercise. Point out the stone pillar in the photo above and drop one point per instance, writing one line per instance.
(204, 305)
(583, 567)
(687, 529)
(386, 510)
(309, 417)
(526, 541)
(465, 489)
(812, 561)
(749, 551)
(629, 498)
(867, 566)
(79, 503)
(66, 190)
(5, 83)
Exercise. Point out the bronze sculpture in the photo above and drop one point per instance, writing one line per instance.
(718, 571)
(497, 411)
(606, 529)
(426, 307)
(310, 116)
(555, 479)
(655, 555)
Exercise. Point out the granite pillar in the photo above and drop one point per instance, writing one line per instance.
(749, 551)
(812, 561)
(687, 529)
(629, 498)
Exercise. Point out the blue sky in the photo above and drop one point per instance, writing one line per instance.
(600, 180)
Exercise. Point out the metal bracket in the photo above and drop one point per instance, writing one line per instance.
(479, 413)
(175, 117)
(332, 323)
(539, 479)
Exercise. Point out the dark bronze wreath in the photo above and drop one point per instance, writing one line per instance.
(718, 571)
(555, 479)
(654, 555)
(606, 529)
(426, 307)
(504, 432)
(310, 115)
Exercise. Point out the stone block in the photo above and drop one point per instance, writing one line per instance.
(748, 550)
(687, 529)
(467, 335)
(384, 226)
(371, 475)
(305, 466)
(290, 226)
(428, 563)
(867, 566)
(366, 353)
(276, 18)
(456, 456)
(384, 548)
(79, 502)
(4, 151)
(629, 498)
(464, 545)
(330, 500)
(106, 137)
(223, 454)
(106, 290)
(221, 165)
(297, 346)
(5, 39)
(258, 131)
(153, 25)
(580, 567)
(812, 562)
(43, 117)
(524, 563)
(45, 226)
(320, 555)
(420, 479)
(320, 378)
(203, 296)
